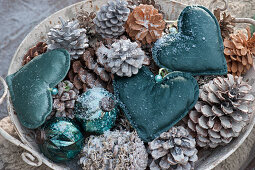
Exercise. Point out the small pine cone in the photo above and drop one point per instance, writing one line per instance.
(92, 63)
(124, 57)
(86, 21)
(111, 18)
(134, 3)
(63, 102)
(39, 49)
(226, 23)
(174, 149)
(222, 111)
(84, 78)
(239, 51)
(69, 36)
(114, 150)
(145, 24)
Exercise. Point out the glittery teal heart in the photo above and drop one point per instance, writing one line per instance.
(152, 107)
(197, 48)
(29, 87)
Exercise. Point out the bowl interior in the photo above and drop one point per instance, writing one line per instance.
(172, 10)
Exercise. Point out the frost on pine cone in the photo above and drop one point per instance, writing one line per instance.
(63, 102)
(69, 36)
(39, 49)
(114, 150)
(110, 19)
(87, 73)
(174, 149)
(239, 51)
(222, 111)
(124, 57)
(145, 24)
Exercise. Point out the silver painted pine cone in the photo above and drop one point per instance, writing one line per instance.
(110, 19)
(124, 57)
(174, 149)
(222, 111)
(69, 36)
(114, 150)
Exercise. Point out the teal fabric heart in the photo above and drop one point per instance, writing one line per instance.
(197, 48)
(29, 87)
(151, 107)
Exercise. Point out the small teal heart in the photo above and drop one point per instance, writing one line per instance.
(197, 48)
(152, 107)
(30, 86)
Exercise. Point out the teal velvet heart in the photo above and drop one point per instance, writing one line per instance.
(29, 87)
(151, 107)
(197, 48)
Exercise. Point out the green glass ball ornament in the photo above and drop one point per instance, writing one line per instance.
(96, 110)
(158, 78)
(54, 91)
(60, 139)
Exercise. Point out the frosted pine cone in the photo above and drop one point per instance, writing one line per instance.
(69, 36)
(239, 51)
(222, 111)
(63, 102)
(111, 18)
(114, 150)
(174, 149)
(145, 24)
(124, 57)
(39, 49)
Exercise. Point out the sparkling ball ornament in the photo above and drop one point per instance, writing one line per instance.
(158, 78)
(54, 91)
(96, 110)
(60, 139)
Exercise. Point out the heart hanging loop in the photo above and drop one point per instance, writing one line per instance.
(162, 73)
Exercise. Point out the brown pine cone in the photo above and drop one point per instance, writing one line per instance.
(133, 3)
(226, 23)
(86, 21)
(63, 102)
(145, 24)
(40, 48)
(239, 51)
(87, 73)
